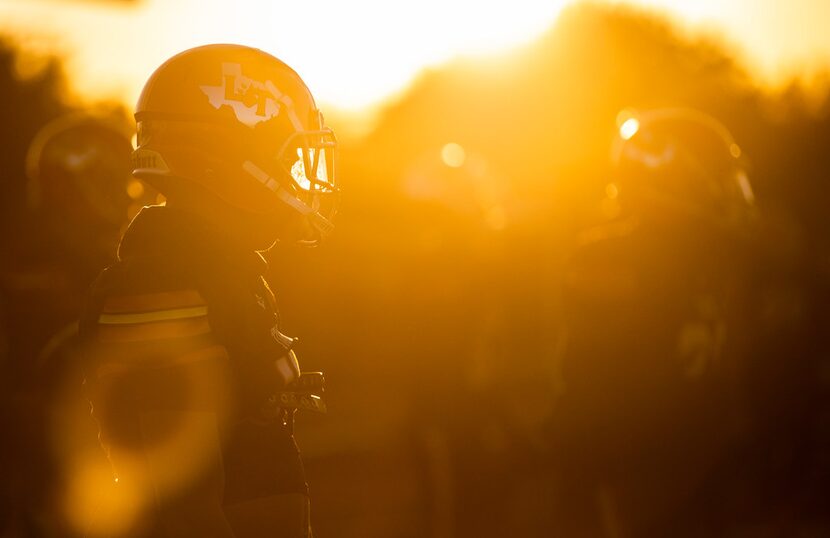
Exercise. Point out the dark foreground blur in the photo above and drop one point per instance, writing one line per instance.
(442, 316)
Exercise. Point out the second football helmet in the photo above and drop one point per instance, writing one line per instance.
(684, 163)
(81, 163)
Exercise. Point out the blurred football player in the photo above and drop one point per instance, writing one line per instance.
(655, 325)
(80, 197)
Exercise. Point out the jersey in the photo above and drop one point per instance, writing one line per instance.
(184, 356)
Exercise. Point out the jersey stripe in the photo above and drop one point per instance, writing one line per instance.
(158, 330)
(149, 317)
(150, 302)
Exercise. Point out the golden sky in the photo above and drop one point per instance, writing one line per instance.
(354, 53)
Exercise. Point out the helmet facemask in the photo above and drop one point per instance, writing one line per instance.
(305, 182)
(308, 160)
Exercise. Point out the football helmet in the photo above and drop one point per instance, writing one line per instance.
(238, 122)
(81, 162)
(681, 163)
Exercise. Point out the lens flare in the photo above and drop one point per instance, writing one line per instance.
(96, 503)
(629, 128)
(135, 189)
(453, 155)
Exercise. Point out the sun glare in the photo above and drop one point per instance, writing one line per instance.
(351, 54)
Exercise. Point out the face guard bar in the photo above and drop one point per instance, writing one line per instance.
(308, 159)
(307, 183)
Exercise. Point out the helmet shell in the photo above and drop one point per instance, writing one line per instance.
(234, 84)
(231, 120)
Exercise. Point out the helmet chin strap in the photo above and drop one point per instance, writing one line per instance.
(321, 223)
